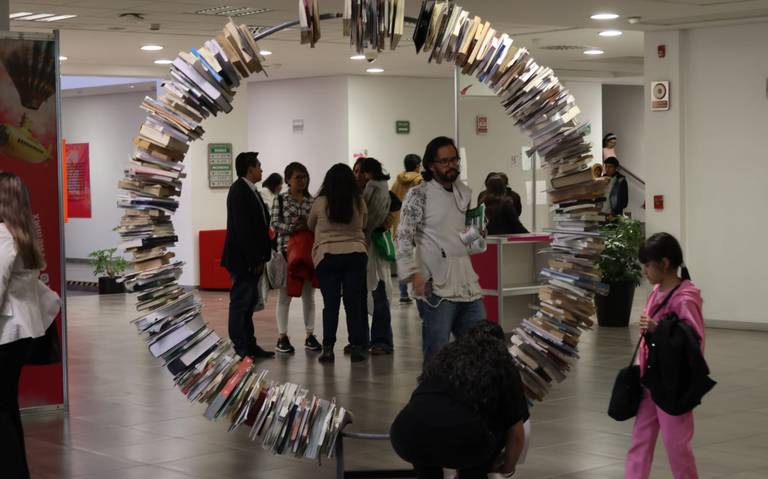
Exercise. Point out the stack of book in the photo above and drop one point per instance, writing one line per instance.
(309, 20)
(204, 366)
(545, 346)
(370, 23)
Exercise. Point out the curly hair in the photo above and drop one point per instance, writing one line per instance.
(477, 367)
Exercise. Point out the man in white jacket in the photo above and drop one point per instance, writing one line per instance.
(430, 253)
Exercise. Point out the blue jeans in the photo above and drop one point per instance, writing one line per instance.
(343, 276)
(441, 317)
(381, 325)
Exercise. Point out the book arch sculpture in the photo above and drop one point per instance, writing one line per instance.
(202, 82)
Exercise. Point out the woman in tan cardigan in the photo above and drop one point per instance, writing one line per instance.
(339, 253)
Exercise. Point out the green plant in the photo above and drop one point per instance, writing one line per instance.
(619, 262)
(105, 263)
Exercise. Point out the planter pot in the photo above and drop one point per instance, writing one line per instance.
(614, 310)
(109, 285)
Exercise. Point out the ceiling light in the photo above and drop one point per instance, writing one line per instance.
(593, 51)
(38, 16)
(56, 18)
(163, 61)
(230, 11)
(357, 57)
(265, 53)
(62, 58)
(151, 48)
(611, 33)
(375, 70)
(604, 16)
(19, 15)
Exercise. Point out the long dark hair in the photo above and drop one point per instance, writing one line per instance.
(496, 196)
(16, 213)
(296, 167)
(374, 167)
(341, 192)
(430, 154)
(664, 245)
(476, 367)
(272, 182)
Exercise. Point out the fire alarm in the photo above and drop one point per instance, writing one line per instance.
(661, 50)
(658, 202)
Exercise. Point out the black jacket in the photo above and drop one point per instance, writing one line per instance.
(619, 195)
(247, 244)
(676, 374)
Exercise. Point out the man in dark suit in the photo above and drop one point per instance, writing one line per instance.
(247, 248)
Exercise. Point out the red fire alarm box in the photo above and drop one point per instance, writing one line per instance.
(658, 202)
(661, 51)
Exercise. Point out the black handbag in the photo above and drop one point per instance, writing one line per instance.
(627, 390)
(46, 349)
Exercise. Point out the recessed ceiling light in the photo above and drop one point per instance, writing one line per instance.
(604, 16)
(38, 16)
(611, 33)
(152, 48)
(593, 51)
(357, 57)
(56, 18)
(62, 58)
(19, 15)
(132, 86)
(375, 70)
(163, 61)
(265, 53)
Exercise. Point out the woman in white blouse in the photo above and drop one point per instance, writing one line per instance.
(27, 309)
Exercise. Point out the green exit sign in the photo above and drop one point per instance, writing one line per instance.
(402, 127)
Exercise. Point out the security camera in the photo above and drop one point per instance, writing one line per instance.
(370, 57)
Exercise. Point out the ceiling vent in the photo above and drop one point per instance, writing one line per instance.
(563, 48)
(230, 11)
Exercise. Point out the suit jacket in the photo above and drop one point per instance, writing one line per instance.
(247, 244)
(27, 306)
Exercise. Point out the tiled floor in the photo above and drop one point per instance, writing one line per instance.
(126, 420)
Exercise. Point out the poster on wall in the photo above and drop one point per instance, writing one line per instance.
(219, 165)
(78, 180)
(29, 148)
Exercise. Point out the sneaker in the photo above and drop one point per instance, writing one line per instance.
(284, 345)
(379, 351)
(357, 354)
(406, 300)
(327, 356)
(312, 344)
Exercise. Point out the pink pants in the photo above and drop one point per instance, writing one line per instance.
(676, 431)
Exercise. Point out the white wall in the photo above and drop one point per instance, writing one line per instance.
(376, 103)
(589, 98)
(623, 115)
(320, 102)
(107, 123)
(725, 169)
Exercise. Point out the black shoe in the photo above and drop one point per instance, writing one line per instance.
(348, 349)
(357, 354)
(284, 345)
(406, 300)
(379, 351)
(327, 356)
(260, 353)
(312, 344)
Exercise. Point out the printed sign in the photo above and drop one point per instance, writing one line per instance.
(78, 180)
(659, 96)
(481, 125)
(219, 165)
(402, 127)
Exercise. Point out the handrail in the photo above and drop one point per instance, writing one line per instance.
(632, 175)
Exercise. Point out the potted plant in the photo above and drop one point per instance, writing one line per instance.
(108, 267)
(620, 269)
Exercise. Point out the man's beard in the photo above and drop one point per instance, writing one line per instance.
(450, 176)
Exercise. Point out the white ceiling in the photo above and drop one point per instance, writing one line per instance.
(99, 42)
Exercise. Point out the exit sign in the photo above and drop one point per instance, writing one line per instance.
(402, 127)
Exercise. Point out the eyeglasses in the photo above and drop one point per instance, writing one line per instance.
(444, 161)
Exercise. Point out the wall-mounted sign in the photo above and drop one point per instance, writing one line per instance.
(78, 180)
(659, 96)
(402, 127)
(298, 126)
(481, 125)
(219, 165)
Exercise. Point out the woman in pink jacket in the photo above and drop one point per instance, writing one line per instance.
(662, 257)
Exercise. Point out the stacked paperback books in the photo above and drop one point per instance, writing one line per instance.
(371, 23)
(204, 366)
(545, 346)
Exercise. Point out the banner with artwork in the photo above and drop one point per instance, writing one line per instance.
(29, 147)
(78, 180)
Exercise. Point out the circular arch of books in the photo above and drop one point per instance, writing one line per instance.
(286, 417)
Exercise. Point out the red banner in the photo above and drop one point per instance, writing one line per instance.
(78, 180)
(29, 148)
